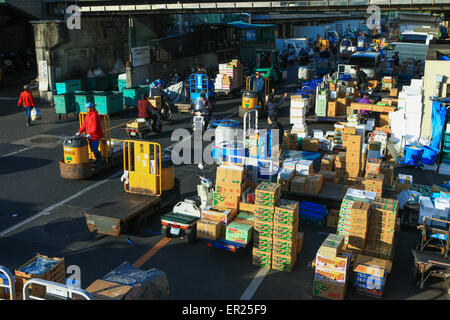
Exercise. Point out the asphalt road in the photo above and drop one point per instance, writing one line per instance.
(40, 212)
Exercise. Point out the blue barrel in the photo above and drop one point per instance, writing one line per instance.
(233, 149)
(412, 155)
(429, 155)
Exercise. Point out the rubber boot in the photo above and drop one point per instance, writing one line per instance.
(98, 159)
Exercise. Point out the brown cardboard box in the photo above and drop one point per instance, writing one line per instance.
(387, 169)
(156, 102)
(329, 290)
(332, 110)
(373, 166)
(226, 200)
(329, 176)
(314, 183)
(332, 218)
(298, 184)
(309, 144)
(300, 237)
(224, 216)
(349, 131)
(106, 290)
(208, 229)
(393, 92)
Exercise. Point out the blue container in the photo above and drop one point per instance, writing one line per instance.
(122, 83)
(68, 86)
(133, 95)
(231, 149)
(412, 155)
(429, 155)
(64, 103)
(108, 102)
(81, 98)
(265, 173)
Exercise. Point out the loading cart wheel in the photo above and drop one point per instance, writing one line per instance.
(192, 235)
(165, 231)
(140, 223)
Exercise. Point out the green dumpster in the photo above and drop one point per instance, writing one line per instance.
(68, 86)
(112, 80)
(99, 84)
(108, 102)
(133, 95)
(122, 83)
(64, 103)
(81, 98)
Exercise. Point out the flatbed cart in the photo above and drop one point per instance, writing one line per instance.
(430, 264)
(150, 188)
(182, 221)
(110, 149)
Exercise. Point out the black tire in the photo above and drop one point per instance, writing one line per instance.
(169, 115)
(140, 224)
(192, 236)
(165, 231)
(157, 127)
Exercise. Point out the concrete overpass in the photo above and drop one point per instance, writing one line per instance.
(99, 7)
(31, 9)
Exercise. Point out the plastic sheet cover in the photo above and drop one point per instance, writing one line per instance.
(39, 266)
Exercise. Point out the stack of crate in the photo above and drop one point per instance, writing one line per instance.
(339, 164)
(374, 183)
(358, 226)
(267, 196)
(285, 235)
(321, 103)
(382, 228)
(353, 148)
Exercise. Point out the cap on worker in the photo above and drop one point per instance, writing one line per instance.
(89, 105)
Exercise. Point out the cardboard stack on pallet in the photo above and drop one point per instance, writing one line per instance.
(285, 235)
(370, 275)
(321, 103)
(353, 144)
(358, 226)
(229, 76)
(331, 269)
(267, 196)
(382, 227)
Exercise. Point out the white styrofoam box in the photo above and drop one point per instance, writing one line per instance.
(361, 194)
(447, 128)
(297, 120)
(304, 167)
(339, 126)
(317, 133)
(440, 214)
(426, 208)
(298, 112)
(397, 115)
(299, 103)
(416, 83)
(403, 178)
(122, 76)
(361, 129)
(412, 91)
(414, 107)
(333, 94)
(442, 203)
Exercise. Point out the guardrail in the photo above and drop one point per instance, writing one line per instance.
(316, 5)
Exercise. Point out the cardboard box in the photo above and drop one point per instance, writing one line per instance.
(267, 194)
(314, 183)
(229, 176)
(373, 166)
(224, 216)
(287, 212)
(285, 232)
(226, 200)
(332, 218)
(331, 246)
(300, 237)
(106, 290)
(284, 247)
(283, 262)
(387, 169)
(264, 244)
(208, 229)
(329, 290)
(264, 214)
(239, 232)
(298, 184)
(248, 207)
(329, 176)
(263, 229)
(309, 144)
(262, 259)
(156, 102)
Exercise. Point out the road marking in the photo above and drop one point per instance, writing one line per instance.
(142, 260)
(9, 98)
(254, 285)
(16, 152)
(56, 205)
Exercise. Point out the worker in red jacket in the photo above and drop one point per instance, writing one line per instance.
(145, 108)
(94, 132)
(26, 100)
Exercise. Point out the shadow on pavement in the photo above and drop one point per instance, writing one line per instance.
(16, 164)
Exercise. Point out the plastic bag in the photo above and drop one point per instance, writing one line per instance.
(38, 113)
(33, 114)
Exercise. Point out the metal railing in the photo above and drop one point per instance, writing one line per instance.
(54, 289)
(11, 285)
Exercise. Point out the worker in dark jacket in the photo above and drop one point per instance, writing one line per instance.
(361, 80)
(272, 105)
(396, 59)
(258, 87)
(27, 101)
(93, 128)
(207, 108)
(275, 126)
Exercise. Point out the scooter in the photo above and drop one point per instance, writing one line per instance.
(143, 128)
(199, 115)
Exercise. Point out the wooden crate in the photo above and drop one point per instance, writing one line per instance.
(56, 274)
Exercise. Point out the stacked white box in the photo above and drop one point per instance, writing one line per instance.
(298, 110)
(426, 208)
(290, 163)
(318, 134)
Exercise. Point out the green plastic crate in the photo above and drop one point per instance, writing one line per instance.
(122, 83)
(81, 98)
(99, 84)
(133, 95)
(68, 86)
(64, 103)
(108, 102)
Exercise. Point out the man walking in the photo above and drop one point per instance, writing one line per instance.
(258, 87)
(94, 132)
(27, 101)
(361, 80)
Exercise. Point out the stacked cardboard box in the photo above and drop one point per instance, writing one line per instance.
(387, 83)
(304, 167)
(285, 235)
(387, 169)
(241, 228)
(345, 212)
(373, 166)
(229, 76)
(310, 144)
(374, 183)
(333, 218)
(285, 175)
(353, 147)
(358, 226)
(267, 196)
(331, 266)
(229, 186)
(382, 227)
(370, 275)
(290, 141)
(298, 109)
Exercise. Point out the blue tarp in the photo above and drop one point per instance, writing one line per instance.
(39, 266)
(438, 115)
